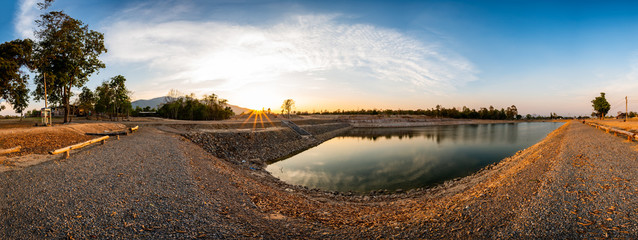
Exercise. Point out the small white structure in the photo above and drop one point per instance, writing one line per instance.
(45, 113)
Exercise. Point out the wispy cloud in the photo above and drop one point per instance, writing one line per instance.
(310, 48)
(24, 22)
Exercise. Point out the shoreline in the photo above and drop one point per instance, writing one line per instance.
(578, 182)
(487, 203)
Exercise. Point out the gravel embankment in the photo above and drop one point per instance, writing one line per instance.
(577, 183)
(591, 192)
(580, 183)
(263, 145)
(138, 187)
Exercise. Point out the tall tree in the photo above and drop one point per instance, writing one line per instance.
(86, 99)
(601, 106)
(511, 112)
(121, 98)
(287, 106)
(15, 55)
(103, 98)
(113, 97)
(65, 56)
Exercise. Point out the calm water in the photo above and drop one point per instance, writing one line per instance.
(362, 160)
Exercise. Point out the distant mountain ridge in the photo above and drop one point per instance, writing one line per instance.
(156, 102)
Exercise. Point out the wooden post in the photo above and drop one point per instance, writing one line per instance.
(67, 154)
(625, 108)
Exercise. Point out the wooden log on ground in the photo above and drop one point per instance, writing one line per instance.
(630, 135)
(10, 150)
(77, 146)
(108, 133)
(133, 129)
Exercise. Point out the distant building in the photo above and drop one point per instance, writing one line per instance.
(58, 111)
(620, 116)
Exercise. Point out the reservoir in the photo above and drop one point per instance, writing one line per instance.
(367, 159)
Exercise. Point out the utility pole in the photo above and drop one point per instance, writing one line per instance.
(47, 112)
(625, 108)
(45, 90)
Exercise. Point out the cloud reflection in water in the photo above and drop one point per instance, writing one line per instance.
(362, 160)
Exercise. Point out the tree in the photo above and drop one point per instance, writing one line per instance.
(211, 107)
(113, 97)
(104, 95)
(86, 99)
(287, 106)
(13, 82)
(511, 112)
(121, 98)
(601, 106)
(65, 56)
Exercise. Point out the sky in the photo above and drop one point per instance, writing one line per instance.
(542, 56)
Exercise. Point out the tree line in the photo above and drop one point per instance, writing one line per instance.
(509, 113)
(188, 107)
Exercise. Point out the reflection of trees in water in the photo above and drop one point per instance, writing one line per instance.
(491, 133)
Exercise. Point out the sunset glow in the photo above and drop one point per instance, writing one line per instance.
(414, 55)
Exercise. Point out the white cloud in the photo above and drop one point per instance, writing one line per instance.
(25, 18)
(312, 48)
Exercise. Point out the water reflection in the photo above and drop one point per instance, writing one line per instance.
(362, 160)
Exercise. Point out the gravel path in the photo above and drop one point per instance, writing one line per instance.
(138, 187)
(591, 192)
(578, 183)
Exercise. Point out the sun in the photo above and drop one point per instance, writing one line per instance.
(257, 100)
(259, 119)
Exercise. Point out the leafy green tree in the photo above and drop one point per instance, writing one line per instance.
(287, 106)
(13, 82)
(113, 98)
(601, 106)
(121, 97)
(104, 95)
(188, 107)
(511, 112)
(65, 56)
(86, 99)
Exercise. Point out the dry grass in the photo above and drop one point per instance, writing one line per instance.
(629, 125)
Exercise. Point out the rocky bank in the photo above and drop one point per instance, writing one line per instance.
(264, 145)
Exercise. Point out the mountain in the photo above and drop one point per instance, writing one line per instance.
(238, 110)
(155, 102)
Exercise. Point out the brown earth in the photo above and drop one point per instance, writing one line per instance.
(577, 183)
(566, 186)
(630, 125)
(41, 140)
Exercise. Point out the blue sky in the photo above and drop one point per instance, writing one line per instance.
(542, 56)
